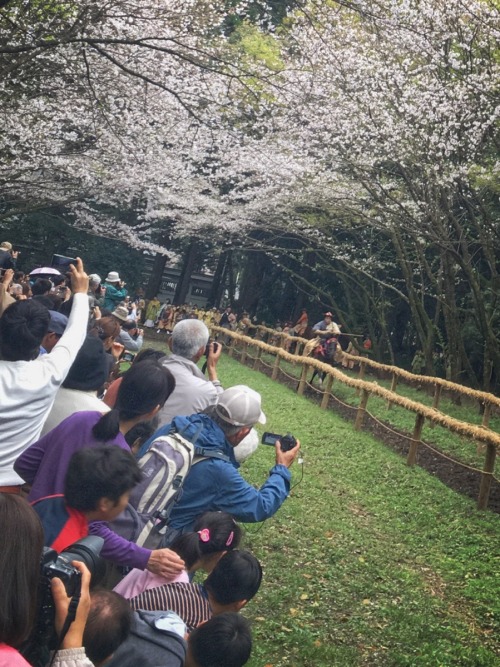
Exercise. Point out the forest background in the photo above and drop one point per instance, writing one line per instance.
(319, 154)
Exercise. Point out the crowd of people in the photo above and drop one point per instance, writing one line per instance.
(86, 451)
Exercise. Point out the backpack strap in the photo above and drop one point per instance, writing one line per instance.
(201, 453)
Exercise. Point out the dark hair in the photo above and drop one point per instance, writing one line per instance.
(22, 328)
(141, 431)
(22, 537)
(128, 325)
(66, 306)
(41, 287)
(148, 353)
(237, 576)
(90, 369)
(108, 625)
(143, 387)
(99, 472)
(212, 532)
(223, 641)
(105, 327)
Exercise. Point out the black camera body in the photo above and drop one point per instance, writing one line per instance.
(207, 348)
(287, 441)
(43, 638)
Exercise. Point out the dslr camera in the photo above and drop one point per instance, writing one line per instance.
(43, 638)
(287, 441)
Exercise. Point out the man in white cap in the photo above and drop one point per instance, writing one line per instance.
(214, 483)
(115, 291)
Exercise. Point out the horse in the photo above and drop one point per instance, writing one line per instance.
(325, 350)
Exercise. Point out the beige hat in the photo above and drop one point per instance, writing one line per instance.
(6, 245)
(121, 313)
(113, 277)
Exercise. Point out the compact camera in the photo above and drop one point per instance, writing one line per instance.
(287, 441)
(42, 640)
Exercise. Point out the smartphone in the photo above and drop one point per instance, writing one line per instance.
(61, 262)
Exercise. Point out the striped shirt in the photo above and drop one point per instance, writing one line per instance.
(190, 601)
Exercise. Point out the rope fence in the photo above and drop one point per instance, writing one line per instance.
(478, 434)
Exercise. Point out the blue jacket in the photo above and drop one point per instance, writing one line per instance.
(216, 485)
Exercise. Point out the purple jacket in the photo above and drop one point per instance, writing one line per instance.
(44, 465)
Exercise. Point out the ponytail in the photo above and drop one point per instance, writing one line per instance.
(108, 426)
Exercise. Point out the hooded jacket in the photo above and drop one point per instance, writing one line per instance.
(148, 645)
(216, 485)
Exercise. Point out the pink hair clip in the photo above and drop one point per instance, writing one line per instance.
(230, 539)
(204, 535)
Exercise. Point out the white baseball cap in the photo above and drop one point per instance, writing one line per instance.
(240, 406)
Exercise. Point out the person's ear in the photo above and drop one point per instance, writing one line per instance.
(104, 504)
(239, 604)
(151, 413)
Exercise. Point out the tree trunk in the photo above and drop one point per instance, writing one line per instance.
(182, 288)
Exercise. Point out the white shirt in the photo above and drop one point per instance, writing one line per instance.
(28, 389)
(69, 401)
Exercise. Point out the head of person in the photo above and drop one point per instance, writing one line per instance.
(99, 481)
(108, 625)
(90, 369)
(107, 329)
(22, 328)
(94, 281)
(223, 641)
(113, 277)
(234, 581)
(129, 325)
(6, 246)
(120, 313)
(189, 339)
(328, 317)
(237, 411)
(19, 568)
(143, 391)
(214, 533)
(57, 326)
(148, 354)
(41, 287)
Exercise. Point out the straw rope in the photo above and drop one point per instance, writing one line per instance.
(481, 396)
(477, 433)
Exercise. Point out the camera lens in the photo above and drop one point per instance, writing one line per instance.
(87, 551)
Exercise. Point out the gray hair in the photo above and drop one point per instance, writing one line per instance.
(188, 336)
(227, 428)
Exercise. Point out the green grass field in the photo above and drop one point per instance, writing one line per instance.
(369, 562)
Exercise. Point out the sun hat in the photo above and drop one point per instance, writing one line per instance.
(113, 277)
(5, 245)
(240, 406)
(121, 313)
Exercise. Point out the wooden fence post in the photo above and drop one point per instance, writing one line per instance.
(232, 345)
(417, 437)
(326, 393)
(435, 401)
(361, 375)
(243, 357)
(486, 477)
(360, 415)
(480, 447)
(256, 363)
(394, 384)
(276, 366)
(303, 380)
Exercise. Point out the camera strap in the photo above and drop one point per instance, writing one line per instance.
(70, 617)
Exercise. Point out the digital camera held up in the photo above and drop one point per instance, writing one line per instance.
(42, 640)
(287, 441)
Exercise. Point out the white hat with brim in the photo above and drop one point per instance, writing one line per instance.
(113, 277)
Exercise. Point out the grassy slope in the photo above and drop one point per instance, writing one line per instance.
(369, 562)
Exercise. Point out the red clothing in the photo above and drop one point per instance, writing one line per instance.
(62, 525)
(112, 393)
